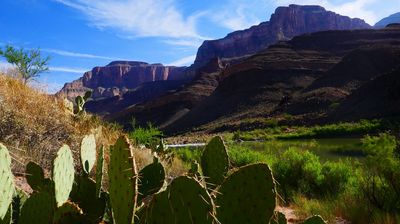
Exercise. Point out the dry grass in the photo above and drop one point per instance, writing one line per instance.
(34, 125)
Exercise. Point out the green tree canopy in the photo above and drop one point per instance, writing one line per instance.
(29, 63)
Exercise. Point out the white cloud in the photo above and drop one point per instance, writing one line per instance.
(5, 65)
(183, 61)
(192, 42)
(355, 8)
(139, 18)
(68, 69)
(240, 14)
(79, 55)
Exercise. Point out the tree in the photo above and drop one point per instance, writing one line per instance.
(29, 63)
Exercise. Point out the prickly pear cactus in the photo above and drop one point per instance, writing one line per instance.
(247, 196)
(123, 182)
(34, 176)
(68, 213)
(215, 162)
(151, 179)
(8, 217)
(39, 208)
(195, 170)
(6, 181)
(63, 174)
(84, 194)
(316, 219)
(79, 101)
(88, 152)
(18, 201)
(99, 171)
(184, 201)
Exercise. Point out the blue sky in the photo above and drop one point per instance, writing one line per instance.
(81, 34)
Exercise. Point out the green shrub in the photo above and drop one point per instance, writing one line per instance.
(145, 135)
(188, 154)
(240, 156)
(302, 172)
(381, 180)
(336, 177)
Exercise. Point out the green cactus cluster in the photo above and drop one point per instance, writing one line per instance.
(80, 103)
(210, 193)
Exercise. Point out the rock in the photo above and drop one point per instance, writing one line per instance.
(307, 76)
(284, 24)
(115, 78)
(395, 18)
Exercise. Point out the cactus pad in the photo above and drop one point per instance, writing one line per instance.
(6, 181)
(39, 208)
(151, 179)
(68, 213)
(184, 201)
(215, 162)
(84, 194)
(8, 217)
(63, 174)
(88, 152)
(99, 171)
(247, 196)
(123, 182)
(35, 176)
(316, 219)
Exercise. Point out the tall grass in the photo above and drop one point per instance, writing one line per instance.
(34, 125)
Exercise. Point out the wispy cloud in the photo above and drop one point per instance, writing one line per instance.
(79, 55)
(192, 42)
(138, 18)
(240, 14)
(6, 65)
(354, 8)
(183, 61)
(68, 69)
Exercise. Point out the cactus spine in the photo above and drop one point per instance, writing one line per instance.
(247, 196)
(35, 176)
(123, 182)
(215, 162)
(99, 171)
(6, 182)
(184, 201)
(88, 152)
(63, 174)
(151, 179)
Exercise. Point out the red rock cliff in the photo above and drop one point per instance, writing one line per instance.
(284, 24)
(119, 76)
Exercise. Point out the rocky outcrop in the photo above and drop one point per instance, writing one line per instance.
(280, 80)
(395, 18)
(284, 24)
(118, 77)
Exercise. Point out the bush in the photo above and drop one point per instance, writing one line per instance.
(336, 177)
(240, 156)
(301, 172)
(381, 181)
(145, 136)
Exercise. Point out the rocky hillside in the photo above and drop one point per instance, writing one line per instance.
(395, 18)
(114, 100)
(308, 77)
(303, 77)
(119, 77)
(284, 24)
